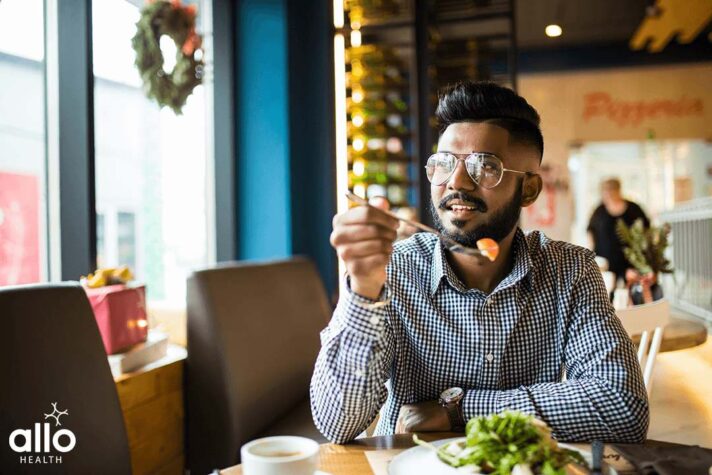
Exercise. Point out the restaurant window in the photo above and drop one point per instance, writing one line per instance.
(127, 239)
(23, 162)
(100, 240)
(151, 164)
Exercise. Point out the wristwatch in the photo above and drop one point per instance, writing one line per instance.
(451, 400)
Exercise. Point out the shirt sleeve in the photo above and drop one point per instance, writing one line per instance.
(634, 213)
(348, 385)
(603, 397)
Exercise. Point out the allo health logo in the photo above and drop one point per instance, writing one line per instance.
(37, 444)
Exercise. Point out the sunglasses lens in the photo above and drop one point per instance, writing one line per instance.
(486, 170)
(439, 168)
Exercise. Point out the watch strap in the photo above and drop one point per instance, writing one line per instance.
(454, 413)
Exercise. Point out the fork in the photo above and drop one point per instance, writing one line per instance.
(449, 243)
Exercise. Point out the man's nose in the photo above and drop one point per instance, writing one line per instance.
(460, 179)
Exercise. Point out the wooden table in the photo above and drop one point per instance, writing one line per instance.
(151, 400)
(350, 459)
(680, 334)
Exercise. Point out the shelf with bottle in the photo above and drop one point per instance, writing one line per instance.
(378, 99)
(375, 67)
(356, 126)
(375, 107)
(367, 14)
(372, 55)
(378, 179)
(397, 194)
(379, 155)
(380, 171)
(377, 149)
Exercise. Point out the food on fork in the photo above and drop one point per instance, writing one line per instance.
(489, 248)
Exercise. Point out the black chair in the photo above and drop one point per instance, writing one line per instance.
(52, 360)
(253, 338)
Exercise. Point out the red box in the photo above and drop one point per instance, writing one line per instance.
(120, 312)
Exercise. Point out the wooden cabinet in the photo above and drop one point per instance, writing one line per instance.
(152, 402)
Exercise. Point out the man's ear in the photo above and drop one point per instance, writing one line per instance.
(530, 189)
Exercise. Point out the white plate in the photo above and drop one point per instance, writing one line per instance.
(421, 460)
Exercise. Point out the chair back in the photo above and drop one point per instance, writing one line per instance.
(646, 320)
(253, 338)
(58, 397)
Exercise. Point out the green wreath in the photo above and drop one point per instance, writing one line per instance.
(170, 18)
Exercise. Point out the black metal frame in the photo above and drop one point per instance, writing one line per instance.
(73, 95)
(224, 87)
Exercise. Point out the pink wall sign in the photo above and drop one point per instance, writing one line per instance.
(19, 229)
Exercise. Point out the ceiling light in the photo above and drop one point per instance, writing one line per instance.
(552, 31)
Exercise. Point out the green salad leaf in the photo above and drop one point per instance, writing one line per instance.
(510, 442)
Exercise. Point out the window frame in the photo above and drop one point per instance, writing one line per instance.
(70, 149)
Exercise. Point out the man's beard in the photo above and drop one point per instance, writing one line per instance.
(497, 227)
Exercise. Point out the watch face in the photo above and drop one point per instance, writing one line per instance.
(452, 395)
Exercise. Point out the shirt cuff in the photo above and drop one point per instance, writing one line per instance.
(483, 402)
(362, 314)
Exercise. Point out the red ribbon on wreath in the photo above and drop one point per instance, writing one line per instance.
(193, 41)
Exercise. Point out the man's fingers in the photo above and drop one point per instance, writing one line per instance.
(361, 232)
(365, 249)
(404, 419)
(365, 215)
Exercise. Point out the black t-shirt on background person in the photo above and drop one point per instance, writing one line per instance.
(605, 240)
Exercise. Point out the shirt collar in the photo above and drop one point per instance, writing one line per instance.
(522, 266)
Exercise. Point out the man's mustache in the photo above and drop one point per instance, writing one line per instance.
(466, 200)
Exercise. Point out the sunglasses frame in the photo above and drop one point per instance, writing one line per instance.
(462, 157)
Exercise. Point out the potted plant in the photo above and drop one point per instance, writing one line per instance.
(645, 250)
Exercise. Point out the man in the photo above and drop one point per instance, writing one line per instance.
(602, 226)
(441, 337)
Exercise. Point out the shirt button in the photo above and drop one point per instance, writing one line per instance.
(489, 357)
(374, 320)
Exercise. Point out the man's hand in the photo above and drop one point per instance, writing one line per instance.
(428, 416)
(363, 238)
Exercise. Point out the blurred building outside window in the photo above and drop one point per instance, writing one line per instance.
(23, 158)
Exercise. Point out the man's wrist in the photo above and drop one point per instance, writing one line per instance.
(366, 290)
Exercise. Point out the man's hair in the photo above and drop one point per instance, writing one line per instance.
(487, 102)
(612, 183)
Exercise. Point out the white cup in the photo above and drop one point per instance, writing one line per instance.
(280, 455)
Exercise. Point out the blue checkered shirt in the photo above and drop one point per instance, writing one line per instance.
(545, 342)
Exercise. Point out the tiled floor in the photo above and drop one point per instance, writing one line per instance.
(681, 400)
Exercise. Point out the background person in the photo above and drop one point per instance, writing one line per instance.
(602, 226)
